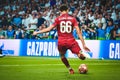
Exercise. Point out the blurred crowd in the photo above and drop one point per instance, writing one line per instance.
(97, 19)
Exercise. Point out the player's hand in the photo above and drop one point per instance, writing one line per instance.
(34, 33)
(86, 48)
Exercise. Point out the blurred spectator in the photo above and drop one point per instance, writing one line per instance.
(47, 4)
(115, 32)
(2, 12)
(2, 33)
(52, 2)
(52, 34)
(10, 32)
(46, 15)
(108, 30)
(4, 21)
(19, 33)
(102, 20)
(100, 33)
(33, 21)
(43, 35)
(72, 7)
(95, 22)
(117, 21)
(85, 32)
(51, 18)
(90, 16)
(17, 21)
(32, 24)
(35, 13)
(41, 20)
(92, 33)
(26, 21)
(114, 15)
(39, 36)
(108, 18)
(87, 21)
(75, 15)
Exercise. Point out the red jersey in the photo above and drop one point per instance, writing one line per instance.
(65, 24)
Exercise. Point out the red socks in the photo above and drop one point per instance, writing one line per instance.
(65, 61)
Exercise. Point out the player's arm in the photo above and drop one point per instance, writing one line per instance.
(44, 30)
(117, 34)
(80, 35)
(81, 38)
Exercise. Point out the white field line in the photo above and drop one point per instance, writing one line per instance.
(9, 65)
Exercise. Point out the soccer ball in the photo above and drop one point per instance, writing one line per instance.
(83, 69)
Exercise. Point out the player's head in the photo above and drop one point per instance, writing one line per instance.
(63, 8)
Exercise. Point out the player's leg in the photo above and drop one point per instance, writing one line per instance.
(65, 61)
(77, 50)
(62, 50)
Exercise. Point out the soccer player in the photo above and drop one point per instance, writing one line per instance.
(65, 24)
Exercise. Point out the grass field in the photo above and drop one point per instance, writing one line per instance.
(46, 68)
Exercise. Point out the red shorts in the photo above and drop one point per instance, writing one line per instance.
(71, 44)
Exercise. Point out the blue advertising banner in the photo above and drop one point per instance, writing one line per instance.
(105, 49)
(38, 48)
(10, 47)
(110, 49)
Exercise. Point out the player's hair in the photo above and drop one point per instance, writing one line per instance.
(63, 7)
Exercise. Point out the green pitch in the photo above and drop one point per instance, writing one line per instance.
(46, 68)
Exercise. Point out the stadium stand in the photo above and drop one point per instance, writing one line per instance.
(26, 16)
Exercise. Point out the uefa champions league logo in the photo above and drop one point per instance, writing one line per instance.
(1, 45)
(6, 51)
